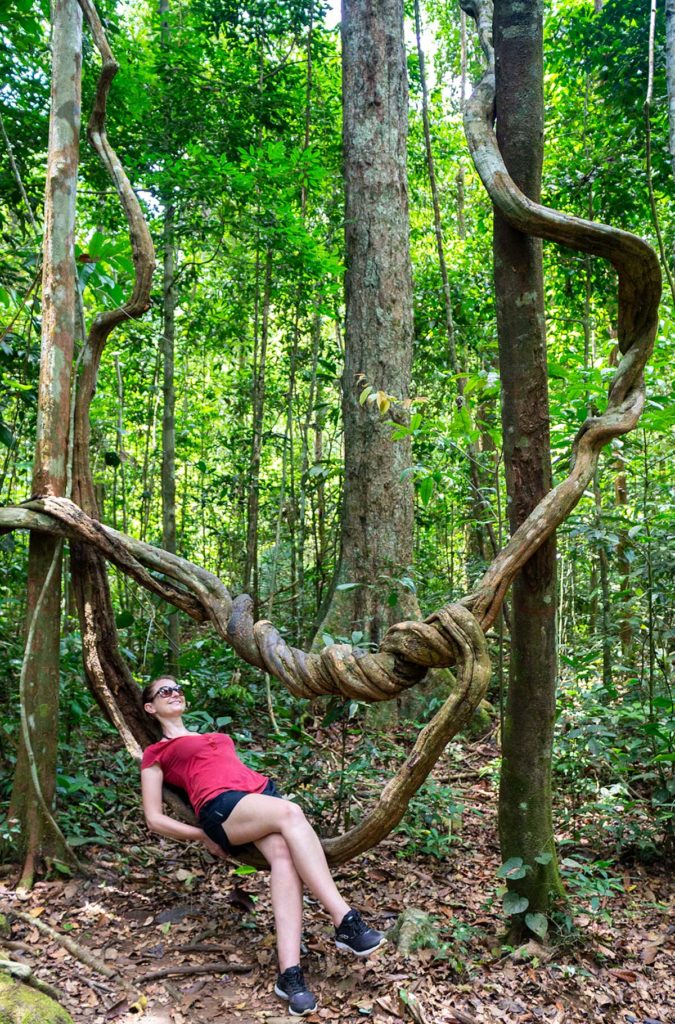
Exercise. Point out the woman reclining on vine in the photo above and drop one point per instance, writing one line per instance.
(236, 806)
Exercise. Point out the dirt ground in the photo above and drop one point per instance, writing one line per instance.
(181, 912)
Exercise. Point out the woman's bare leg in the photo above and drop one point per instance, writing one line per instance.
(286, 892)
(257, 816)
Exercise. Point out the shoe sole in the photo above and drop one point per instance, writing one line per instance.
(360, 953)
(294, 1013)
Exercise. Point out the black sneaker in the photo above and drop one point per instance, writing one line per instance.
(291, 986)
(354, 935)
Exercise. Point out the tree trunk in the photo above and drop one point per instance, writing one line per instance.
(605, 597)
(169, 424)
(50, 469)
(438, 227)
(670, 76)
(258, 408)
(376, 545)
(525, 819)
(623, 565)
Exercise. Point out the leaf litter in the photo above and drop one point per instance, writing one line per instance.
(181, 910)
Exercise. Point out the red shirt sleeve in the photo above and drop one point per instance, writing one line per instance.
(151, 754)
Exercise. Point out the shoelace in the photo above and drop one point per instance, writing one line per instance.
(294, 981)
(356, 925)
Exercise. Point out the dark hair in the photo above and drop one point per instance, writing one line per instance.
(147, 692)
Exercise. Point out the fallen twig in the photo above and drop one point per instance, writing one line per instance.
(73, 948)
(23, 947)
(200, 947)
(25, 974)
(461, 1017)
(214, 968)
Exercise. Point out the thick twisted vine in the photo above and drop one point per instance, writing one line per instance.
(456, 633)
(451, 636)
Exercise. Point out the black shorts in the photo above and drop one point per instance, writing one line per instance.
(216, 812)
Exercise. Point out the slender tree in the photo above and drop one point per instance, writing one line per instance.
(525, 818)
(670, 76)
(40, 676)
(168, 352)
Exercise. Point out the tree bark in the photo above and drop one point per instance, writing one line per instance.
(670, 76)
(525, 817)
(376, 544)
(50, 469)
(605, 595)
(169, 423)
(623, 565)
(258, 415)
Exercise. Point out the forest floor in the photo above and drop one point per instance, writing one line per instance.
(163, 907)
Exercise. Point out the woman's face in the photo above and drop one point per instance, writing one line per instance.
(167, 699)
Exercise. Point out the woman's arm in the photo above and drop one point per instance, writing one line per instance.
(157, 821)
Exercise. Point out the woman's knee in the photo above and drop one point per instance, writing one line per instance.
(292, 813)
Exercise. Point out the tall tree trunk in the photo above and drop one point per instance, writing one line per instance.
(525, 818)
(605, 598)
(258, 403)
(670, 76)
(40, 683)
(169, 423)
(438, 227)
(377, 520)
(459, 180)
(312, 403)
(623, 565)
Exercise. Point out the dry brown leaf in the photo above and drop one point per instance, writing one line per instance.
(629, 976)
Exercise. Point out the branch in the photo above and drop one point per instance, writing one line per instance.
(215, 968)
(25, 974)
(81, 954)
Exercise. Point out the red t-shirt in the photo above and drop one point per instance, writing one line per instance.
(204, 765)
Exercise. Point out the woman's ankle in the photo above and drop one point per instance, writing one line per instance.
(337, 913)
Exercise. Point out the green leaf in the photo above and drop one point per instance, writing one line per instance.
(515, 904)
(512, 868)
(347, 586)
(538, 924)
(6, 435)
(244, 869)
(544, 858)
(334, 712)
(62, 868)
(426, 490)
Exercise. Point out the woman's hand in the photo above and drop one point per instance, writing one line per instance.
(213, 848)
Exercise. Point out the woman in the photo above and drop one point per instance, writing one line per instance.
(236, 806)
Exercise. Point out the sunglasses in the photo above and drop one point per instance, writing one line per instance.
(166, 691)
